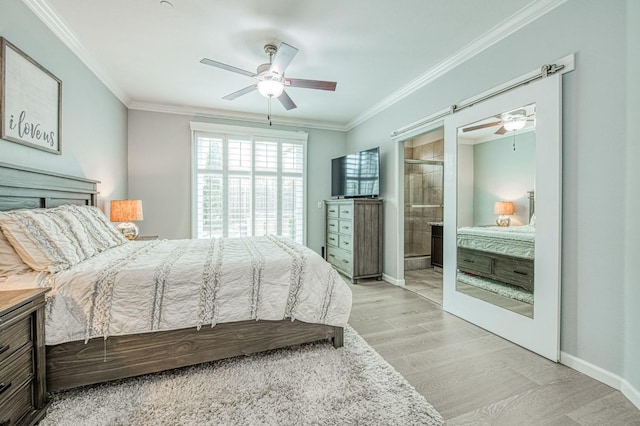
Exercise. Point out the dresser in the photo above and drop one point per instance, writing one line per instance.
(23, 393)
(353, 237)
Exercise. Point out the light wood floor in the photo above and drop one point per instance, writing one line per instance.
(473, 377)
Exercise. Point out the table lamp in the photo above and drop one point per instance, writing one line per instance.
(126, 211)
(503, 208)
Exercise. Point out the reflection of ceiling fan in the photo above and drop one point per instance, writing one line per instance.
(271, 79)
(509, 121)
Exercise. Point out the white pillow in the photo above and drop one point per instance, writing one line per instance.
(10, 262)
(100, 232)
(39, 240)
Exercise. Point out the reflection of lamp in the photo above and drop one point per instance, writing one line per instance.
(126, 211)
(503, 208)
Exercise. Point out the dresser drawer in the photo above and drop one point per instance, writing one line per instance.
(346, 212)
(332, 225)
(345, 227)
(345, 243)
(340, 259)
(14, 336)
(332, 210)
(17, 404)
(15, 371)
(333, 239)
(468, 261)
(514, 271)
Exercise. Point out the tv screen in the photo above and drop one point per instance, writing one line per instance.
(356, 175)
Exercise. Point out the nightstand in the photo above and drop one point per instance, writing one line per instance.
(146, 238)
(23, 391)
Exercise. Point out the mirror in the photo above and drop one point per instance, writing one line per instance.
(496, 217)
(487, 183)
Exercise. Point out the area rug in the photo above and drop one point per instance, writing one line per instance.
(503, 289)
(313, 384)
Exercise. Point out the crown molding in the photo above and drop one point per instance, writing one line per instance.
(507, 27)
(512, 24)
(52, 20)
(235, 115)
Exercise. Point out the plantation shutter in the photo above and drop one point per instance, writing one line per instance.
(248, 185)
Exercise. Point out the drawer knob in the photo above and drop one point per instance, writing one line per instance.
(4, 348)
(332, 255)
(345, 261)
(4, 387)
(469, 261)
(520, 273)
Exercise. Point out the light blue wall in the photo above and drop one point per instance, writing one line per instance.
(502, 174)
(595, 147)
(160, 171)
(632, 207)
(94, 121)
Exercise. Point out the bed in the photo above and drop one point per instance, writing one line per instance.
(139, 307)
(500, 254)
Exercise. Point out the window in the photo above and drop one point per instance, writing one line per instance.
(248, 182)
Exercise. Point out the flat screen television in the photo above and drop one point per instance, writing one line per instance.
(356, 175)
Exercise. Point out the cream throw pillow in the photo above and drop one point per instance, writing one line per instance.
(10, 262)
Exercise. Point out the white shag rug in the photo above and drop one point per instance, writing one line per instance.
(312, 384)
(503, 289)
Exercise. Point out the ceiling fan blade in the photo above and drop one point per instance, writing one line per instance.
(241, 92)
(501, 131)
(286, 101)
(283, 58)
(227, 67)
(481, 126)
(310, 84)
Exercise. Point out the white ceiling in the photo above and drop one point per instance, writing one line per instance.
(148, 55)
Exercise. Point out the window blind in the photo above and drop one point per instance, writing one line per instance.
(248, 185)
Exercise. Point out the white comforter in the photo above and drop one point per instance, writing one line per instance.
(171, 284)
(517, 241)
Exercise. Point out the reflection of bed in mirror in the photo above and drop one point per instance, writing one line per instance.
(495, 256)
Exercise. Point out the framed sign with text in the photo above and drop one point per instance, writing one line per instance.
(30, 101)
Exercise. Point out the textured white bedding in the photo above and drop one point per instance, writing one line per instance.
(517, 241)
(171, 284)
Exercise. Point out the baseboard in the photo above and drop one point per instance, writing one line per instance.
(631, 393)
(602, 375)
(591, 370)
(393, 280)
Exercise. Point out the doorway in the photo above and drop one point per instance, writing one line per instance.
(423, 213)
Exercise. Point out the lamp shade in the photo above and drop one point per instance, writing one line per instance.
(126, 210)
(503, 207)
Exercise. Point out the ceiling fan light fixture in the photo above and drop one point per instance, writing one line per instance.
(514, 122)
(270, 88)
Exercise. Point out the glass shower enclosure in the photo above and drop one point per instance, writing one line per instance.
(423, 206)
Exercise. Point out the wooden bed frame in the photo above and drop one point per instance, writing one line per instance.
(75, 364)
(499, 267)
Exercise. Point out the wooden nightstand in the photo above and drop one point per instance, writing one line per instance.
(146, 238)
(23, 391)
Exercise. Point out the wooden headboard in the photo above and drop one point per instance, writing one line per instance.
(26, 188)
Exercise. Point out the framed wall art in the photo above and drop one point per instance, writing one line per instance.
(30, 101)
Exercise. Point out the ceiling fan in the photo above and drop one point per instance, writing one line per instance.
(270, 76)
(509, 121)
